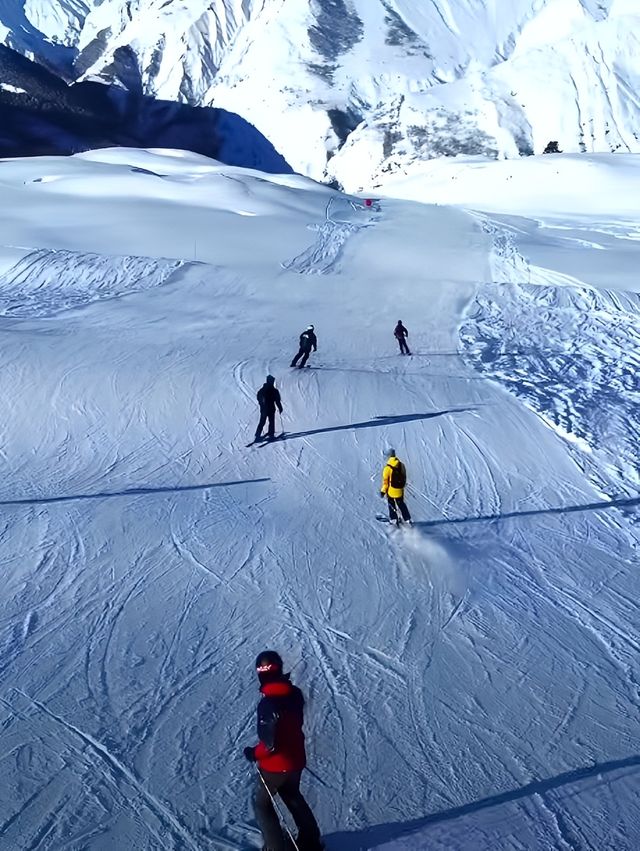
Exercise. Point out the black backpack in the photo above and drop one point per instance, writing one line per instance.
(398, 477)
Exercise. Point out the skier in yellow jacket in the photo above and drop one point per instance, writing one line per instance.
(394, 481)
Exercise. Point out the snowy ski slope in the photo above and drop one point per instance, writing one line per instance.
(472, 683)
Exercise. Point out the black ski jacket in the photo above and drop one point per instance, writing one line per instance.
(307, 340)
(268, 398)
(400, 331)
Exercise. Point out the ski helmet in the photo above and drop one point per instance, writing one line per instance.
(390, 452)
(269, 662)
(309, 327)
(270, 379)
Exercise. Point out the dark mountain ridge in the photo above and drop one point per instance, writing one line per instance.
(40, 114)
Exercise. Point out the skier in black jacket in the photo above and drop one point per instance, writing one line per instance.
(269, 399)
(281, 757)
(308, 340)
(401, 334)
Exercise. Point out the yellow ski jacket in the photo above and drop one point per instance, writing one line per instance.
(392, 464)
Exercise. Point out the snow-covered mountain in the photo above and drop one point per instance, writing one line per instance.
(356, 89)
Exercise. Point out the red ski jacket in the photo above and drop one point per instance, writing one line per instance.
(280, 720)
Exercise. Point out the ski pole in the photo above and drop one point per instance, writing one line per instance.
(319, 779)
(278, 811)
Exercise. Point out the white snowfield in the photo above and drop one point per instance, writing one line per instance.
(473, 682)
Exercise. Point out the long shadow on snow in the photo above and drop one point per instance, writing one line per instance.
(373, 836)
(461, 354)
(394, 373)
(46, 500)
(622, 502)
(375, 423)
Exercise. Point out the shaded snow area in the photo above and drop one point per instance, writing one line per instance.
(41, 115)
(472, 682)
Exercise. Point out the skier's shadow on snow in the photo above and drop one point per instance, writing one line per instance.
(394, 374)
(143, 491)
(376, 422)
(621, 502)
(371, 837)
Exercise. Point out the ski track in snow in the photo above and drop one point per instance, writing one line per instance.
(586, 385)
(322, 257)
(45, 282)
(120, 774)
(147, 556)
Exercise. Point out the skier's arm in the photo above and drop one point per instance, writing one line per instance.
(386, 475)
(315, 343)
(278, 401)
(267, 723)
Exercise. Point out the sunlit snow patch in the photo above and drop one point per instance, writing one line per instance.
(7, 87)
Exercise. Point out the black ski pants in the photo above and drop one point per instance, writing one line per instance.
(395, 504)
(265, 415)
(404, 349)
(302, 353)
(286, 785)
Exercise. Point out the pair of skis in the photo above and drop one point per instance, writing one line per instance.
(384, 519)
(263, 441)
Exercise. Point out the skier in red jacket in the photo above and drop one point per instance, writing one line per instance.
(281, 757)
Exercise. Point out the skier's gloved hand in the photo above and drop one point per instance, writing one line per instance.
(250, 754)
(382, 494)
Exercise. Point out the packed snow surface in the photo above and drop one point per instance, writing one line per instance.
(473, 682)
